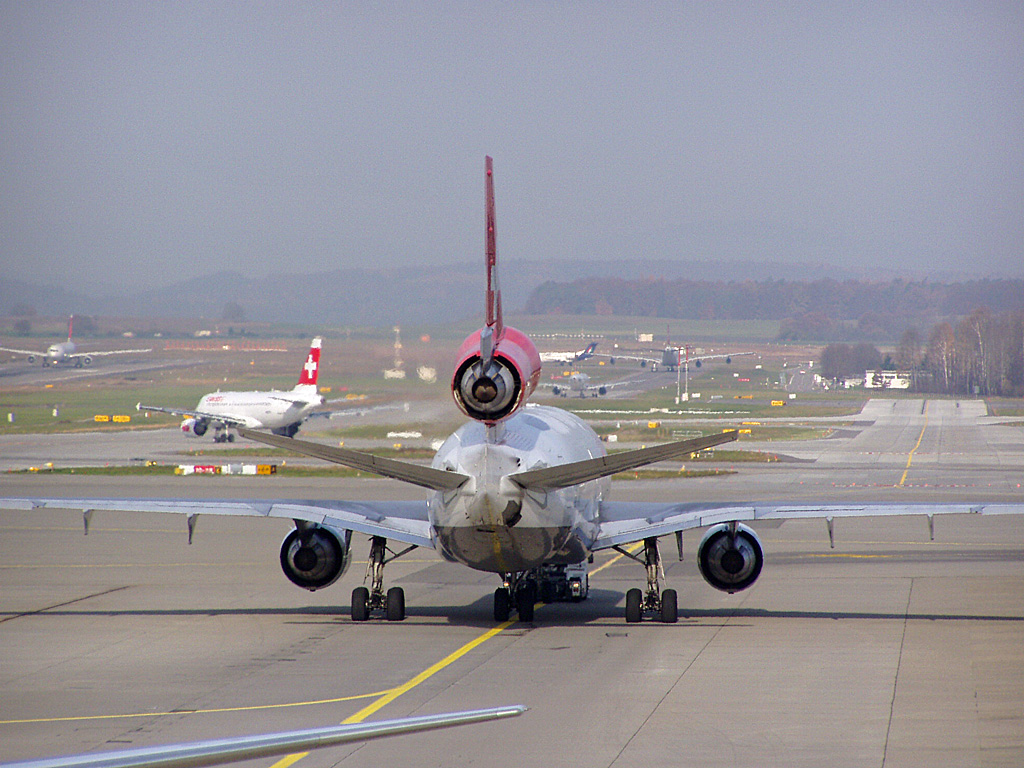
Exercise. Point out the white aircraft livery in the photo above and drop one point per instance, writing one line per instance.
(279, 411)
(521, 490)
(67, 352)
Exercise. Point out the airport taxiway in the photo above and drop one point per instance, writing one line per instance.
(888, 650)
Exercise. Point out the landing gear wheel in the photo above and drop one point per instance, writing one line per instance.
(502, 604)
(231, 438)
(547, 592)
(394, 610)
(669, 607)
(634, 599)
(360, 604)
(526, 596)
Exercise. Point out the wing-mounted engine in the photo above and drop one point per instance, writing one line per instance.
(730, 557)
(194, 427)
(493, 380)
(315, 557)
(87, 360)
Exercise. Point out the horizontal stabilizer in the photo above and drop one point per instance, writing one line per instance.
(426, 477)
(564, 475)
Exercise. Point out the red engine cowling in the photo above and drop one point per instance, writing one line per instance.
(194, 427)
(730, 557)
(494, 393)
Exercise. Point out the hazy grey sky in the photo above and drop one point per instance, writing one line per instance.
(147, 142)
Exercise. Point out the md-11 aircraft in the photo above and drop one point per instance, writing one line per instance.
(67, 352)
(521, 491)
(277, 410)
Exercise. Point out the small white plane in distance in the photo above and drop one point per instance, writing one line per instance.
(233, 749)
(579, 383)
(569, 358)
(67, 352)
(520, 491)
(279, 411)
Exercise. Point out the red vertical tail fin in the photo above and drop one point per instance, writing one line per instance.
(311, 368)
(71, 322)
(494, 320)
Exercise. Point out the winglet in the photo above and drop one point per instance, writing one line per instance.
(494, 319)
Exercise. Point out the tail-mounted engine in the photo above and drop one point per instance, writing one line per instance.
(493, 379)
(730, 557)
(315, 557)
(194, 427)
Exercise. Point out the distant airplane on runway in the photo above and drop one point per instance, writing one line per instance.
(569, 358)
(279, 411)
(67, 352)
(672, 358)
(521, 491)
(580, 383)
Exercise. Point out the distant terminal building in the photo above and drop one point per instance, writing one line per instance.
(887, 379)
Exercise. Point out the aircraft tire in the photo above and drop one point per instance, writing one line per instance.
(394, 609)
(669, 607)
(634, 611)
(526, 597)
(360, 604)
(502, 607)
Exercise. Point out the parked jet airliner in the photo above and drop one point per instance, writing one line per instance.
(521, 491)
(67, 352)
(276, 410)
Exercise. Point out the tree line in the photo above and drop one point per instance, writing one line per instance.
(819, 310)
(980, 354)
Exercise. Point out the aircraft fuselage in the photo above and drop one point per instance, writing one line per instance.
(259, 409)
(492, 524)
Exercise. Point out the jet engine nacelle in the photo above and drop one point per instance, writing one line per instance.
(87, 360)
(194, 427)
(30, 359)
(730, 557)
(495, 393)
(602, 390)
(315, 557)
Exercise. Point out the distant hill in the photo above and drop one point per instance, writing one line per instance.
(381, 297)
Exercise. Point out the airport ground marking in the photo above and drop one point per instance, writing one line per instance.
(390, 695)
(252, 708)
(917, 445)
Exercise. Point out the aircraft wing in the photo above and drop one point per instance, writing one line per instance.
(624, 522)
(228, 420)
(217, 751)
(109, 352)
(400, 520)
(24, 351)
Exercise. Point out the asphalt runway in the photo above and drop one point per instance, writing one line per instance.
(887, 650)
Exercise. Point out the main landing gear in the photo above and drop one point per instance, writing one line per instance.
(366, 600)
(550, 583)
(519, 592)
(660, 605)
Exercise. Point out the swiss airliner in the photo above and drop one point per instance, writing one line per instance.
(280, 411)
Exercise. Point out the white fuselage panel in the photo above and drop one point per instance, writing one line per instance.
(492, 524)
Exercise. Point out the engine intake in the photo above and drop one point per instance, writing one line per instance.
(730, 559)
(490, 383)
(316, 557)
